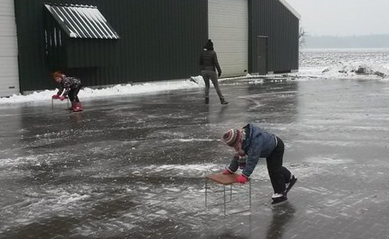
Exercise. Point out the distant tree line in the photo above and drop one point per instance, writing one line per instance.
(367, 41)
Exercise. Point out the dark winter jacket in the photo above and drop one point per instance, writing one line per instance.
(208, 60)
(67, 84)
(256, 144)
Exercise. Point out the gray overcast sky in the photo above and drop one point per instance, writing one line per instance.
(343, 17)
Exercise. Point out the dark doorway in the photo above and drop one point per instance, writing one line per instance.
(262, 54)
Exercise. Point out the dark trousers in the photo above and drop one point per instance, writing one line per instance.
(279, 175)
(211, 75)
(73, 94)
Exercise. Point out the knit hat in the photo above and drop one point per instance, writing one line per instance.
(232, 137)
(209, 45)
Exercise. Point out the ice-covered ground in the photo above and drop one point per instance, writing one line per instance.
(134, 167)
(314, 63)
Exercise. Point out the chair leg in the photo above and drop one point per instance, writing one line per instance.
(206, 192)
(224, 206)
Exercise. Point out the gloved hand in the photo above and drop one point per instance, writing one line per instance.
(55, 97)
(219, 74)
(226, 172)
(242, 179)
(61, 97)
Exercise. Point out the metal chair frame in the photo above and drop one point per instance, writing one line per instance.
(67, 102)
(225, 181)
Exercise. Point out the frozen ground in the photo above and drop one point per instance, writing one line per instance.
(133, 166)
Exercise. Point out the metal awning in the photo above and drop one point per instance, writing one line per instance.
(82, 21)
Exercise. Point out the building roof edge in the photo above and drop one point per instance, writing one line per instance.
(290, 8)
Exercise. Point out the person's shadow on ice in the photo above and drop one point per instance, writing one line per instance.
(282, 215)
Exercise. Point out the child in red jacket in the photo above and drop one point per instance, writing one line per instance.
(68, 86)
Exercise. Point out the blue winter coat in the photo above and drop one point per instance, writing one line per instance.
(257, 144)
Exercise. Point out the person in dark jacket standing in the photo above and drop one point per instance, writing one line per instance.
(252, 143)
(68, 86)
(208, 63)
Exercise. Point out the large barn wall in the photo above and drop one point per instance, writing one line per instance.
(160, 40)
(273, 19)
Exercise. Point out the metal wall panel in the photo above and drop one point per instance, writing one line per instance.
(273, 19)
(9, 77)
(228, 29)
(159, 40)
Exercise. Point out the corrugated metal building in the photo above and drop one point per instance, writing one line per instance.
(274, 37)
(120, 41)
(9, 77)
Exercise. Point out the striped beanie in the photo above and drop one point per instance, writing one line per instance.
(232, 137)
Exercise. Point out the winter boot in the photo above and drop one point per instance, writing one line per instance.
(206, 100)
(77, 107)
(73, 105)
(289, 185)
(223, 102)
(278, 198)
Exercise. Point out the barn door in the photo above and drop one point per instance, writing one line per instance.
(262, 55)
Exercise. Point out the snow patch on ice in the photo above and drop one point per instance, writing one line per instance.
(191, 140)
(328, 160)
(186, 167)
(161, 212)
(27, 160)
(126, 89)
(66, 198)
